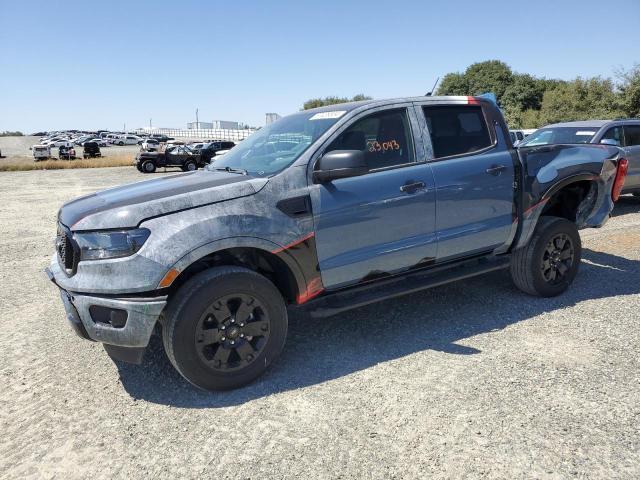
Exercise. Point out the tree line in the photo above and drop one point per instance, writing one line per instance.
(531, 102)
(528, 101)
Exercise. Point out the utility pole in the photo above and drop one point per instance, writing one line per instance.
(150, 127)
(197, 123)
(124, 127)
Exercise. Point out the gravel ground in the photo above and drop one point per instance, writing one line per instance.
(468, 380)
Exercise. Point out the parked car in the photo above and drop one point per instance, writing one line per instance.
(212, 149)
(91, 150)
(67, 153)
(623, 133)
(83, 138)
(99, 141)
(162, 138)
(127, 140)
(41, 152)
(327, 210)
(150, 145)
(177, 156)
(61, 143)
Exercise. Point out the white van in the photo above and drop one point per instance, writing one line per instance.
(41, 152)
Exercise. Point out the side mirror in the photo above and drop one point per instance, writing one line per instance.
(340, 164)
(609, 141)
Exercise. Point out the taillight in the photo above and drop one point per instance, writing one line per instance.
(621, 173)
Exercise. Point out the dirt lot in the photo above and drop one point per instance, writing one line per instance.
(465, 381)
(17, 149)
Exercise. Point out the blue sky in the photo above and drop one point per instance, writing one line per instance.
(83, 64)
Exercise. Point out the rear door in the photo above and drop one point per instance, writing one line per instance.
(474, 177)
(382, 222)
(632, 154)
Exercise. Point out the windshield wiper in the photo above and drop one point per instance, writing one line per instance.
(240, 171)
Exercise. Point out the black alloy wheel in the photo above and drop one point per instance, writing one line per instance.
(232, 332)
(557, 259)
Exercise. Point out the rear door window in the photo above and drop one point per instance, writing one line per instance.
(632, 135)
(456, 129)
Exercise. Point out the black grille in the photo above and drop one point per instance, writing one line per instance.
(66, 250)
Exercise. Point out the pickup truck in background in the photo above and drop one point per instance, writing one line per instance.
(326, 210)
(147, 161)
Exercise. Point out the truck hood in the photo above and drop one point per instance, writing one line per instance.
(127, 206)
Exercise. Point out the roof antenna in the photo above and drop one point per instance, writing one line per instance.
(428, 94)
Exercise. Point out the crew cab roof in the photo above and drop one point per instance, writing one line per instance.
(349, 106)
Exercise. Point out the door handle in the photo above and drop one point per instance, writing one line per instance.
(495, 169)
(411, 187)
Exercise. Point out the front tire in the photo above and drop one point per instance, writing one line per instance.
(224, 327)
(548, 264)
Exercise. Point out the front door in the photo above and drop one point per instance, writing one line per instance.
(383, 222)
(474, 175)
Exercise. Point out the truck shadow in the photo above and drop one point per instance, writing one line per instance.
(318, 351)
(626, 205)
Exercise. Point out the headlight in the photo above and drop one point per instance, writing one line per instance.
(116, 244)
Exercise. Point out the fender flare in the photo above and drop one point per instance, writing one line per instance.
(532, 214)
(559, 185)
(266, 246)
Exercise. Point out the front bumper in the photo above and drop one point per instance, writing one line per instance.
(131, 324)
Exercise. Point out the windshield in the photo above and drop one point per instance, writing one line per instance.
(549, 136)
(278, 145)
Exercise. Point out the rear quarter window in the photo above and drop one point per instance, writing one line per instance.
(632, 135)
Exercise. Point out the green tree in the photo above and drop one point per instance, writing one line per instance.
(453, 84)
(629, 88)
(581, 99)
(321, 102)
(524, 92)
(490, 76)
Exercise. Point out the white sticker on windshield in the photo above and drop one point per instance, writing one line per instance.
(585, 132)
(328, 115)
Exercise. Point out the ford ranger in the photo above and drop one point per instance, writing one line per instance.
(326, 210)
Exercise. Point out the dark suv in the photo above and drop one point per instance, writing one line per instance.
(210, 149)
(623, 133)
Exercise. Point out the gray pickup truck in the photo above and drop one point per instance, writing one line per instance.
(326, 210)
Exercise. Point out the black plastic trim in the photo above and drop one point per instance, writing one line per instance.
(340, 301)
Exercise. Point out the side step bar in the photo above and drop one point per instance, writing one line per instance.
(396, 286)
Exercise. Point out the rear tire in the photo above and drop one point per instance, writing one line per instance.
(148, 167)
(224, 327)
(190, 166)
(548, 264)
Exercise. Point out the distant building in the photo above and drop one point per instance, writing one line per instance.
(271, 117)
(225, 124)
(199, 126)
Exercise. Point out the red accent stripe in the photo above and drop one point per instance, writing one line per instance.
(314, 288)
(293, 244)
(532, 207)
(473, 101)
